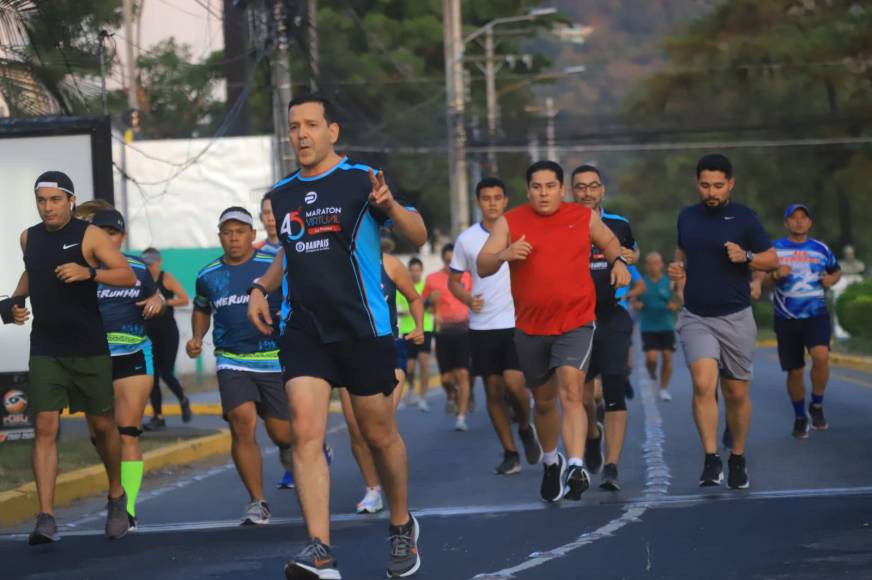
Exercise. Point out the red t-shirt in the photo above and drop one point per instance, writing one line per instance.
(449, 310)
(552, 288)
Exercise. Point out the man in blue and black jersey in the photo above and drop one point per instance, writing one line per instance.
(807, 269)
(336, 329)
(249, 373)
(613, 336)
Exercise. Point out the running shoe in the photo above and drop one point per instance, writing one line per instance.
(117, 524)
(511, 463)
(287, 481)
(800, 428)
(328, 453)
(404, 560)
(553, 480)
(738, 477)
(314, 561)
(256, 514)
(629, 391)
(593, 452)
(187, 414)
(532, 447)
(371, 503)
(132, 522)
(818, 421)
(727, 438)
(45, 531)
(460, 424)
(609, 481)
(577, 482)
(665, 395)
(423, 406)
(155, 424)
(712, 472)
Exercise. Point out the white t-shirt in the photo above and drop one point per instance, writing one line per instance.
(499, 308)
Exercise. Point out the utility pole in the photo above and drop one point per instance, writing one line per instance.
(490, 74)
(457, 170)
(103, 35)
(550, 114)
(281, 90)
(314, 58)
(132, 83)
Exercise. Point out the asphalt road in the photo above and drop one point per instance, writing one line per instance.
(807, 515)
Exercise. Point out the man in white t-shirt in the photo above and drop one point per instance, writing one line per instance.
(492, 331)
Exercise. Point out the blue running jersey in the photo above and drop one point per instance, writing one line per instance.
(122, 318)
(621, 293)
(389, 289)
(222, 291)
(801, 294)
(333, 261)
(607, 298)
(267, 247)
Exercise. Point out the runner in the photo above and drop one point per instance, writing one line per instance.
(807, 270)
(613, 336)
(492, 331)
(452, 334)
(124, 312)
(417, 354)
(657, 322)
(336, 328)
(395, 281)
(164, 334)
(69, 354)
(548, 246)
(271, 244)
(249, 373)
(719, 243)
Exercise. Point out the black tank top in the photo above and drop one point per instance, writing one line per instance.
(66, 318)
(167, 293)
(154, 326)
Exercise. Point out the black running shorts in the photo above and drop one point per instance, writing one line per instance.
(493, 352)
(452, 350)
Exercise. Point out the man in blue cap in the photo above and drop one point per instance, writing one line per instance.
(802, 322)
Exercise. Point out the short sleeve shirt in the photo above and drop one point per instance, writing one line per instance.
(122, 318)
(656, 315)
(607, 299)
(499, 308)
(715, 285)
(449, 310)
(801, 294)
(222, 290)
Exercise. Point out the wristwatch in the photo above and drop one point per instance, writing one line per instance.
(259, 287)
(622, 259)
(92, 273)
(749, 256)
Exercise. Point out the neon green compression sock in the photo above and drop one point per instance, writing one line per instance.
(131, 481)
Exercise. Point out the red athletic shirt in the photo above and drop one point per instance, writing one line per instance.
(552, 288)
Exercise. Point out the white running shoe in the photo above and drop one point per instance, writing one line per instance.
(423, 406)
(371, 503)
(665, 395)
(460, 424)
(256, 514)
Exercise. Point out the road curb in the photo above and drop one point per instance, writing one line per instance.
(20, 504)
(205, 409)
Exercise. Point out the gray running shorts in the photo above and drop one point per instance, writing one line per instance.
(265, 390)
(540, 355)
(729, 339)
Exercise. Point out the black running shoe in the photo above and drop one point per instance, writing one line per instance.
(511, 463)
(712, 472)
(405, 559)
(629, 391)
(610, 480)
(45, 531)
(818, 421)
(593, 452)
(314, 561)
(577, 482)
(727, 438)
(187, 414)
(552, 480)
(532, 447)
(155, 424)
(738, 477)
(800, 428)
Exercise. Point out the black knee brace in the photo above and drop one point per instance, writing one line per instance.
(130, 431)
(614, 392)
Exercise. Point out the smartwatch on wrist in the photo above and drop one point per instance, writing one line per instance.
(255, 285)
(749, 256)
(92, 273)
(621, 259)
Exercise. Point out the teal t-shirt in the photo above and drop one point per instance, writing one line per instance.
(655, 315)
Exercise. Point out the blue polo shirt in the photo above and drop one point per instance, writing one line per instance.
(715, 285)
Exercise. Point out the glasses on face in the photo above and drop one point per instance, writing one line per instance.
(583, 187)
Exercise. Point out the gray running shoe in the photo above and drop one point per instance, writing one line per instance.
(532, 447)
(256, 513)
(117, 524)
(511, 463)
(610, 481)
(45, 531)
(818, 421)
(404, 560)
(314, 561)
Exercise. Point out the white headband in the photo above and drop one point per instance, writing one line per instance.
(53, 184)
(236, 216)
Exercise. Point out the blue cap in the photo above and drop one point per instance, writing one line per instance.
(791, 209)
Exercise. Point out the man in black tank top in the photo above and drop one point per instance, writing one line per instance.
(69, 355)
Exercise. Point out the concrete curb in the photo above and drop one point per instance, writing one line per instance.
(206, 409)
(21, 503)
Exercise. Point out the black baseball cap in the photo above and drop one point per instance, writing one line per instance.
(56, 179)
(110, 218)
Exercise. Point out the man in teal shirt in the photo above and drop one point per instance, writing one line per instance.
(657, 322)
